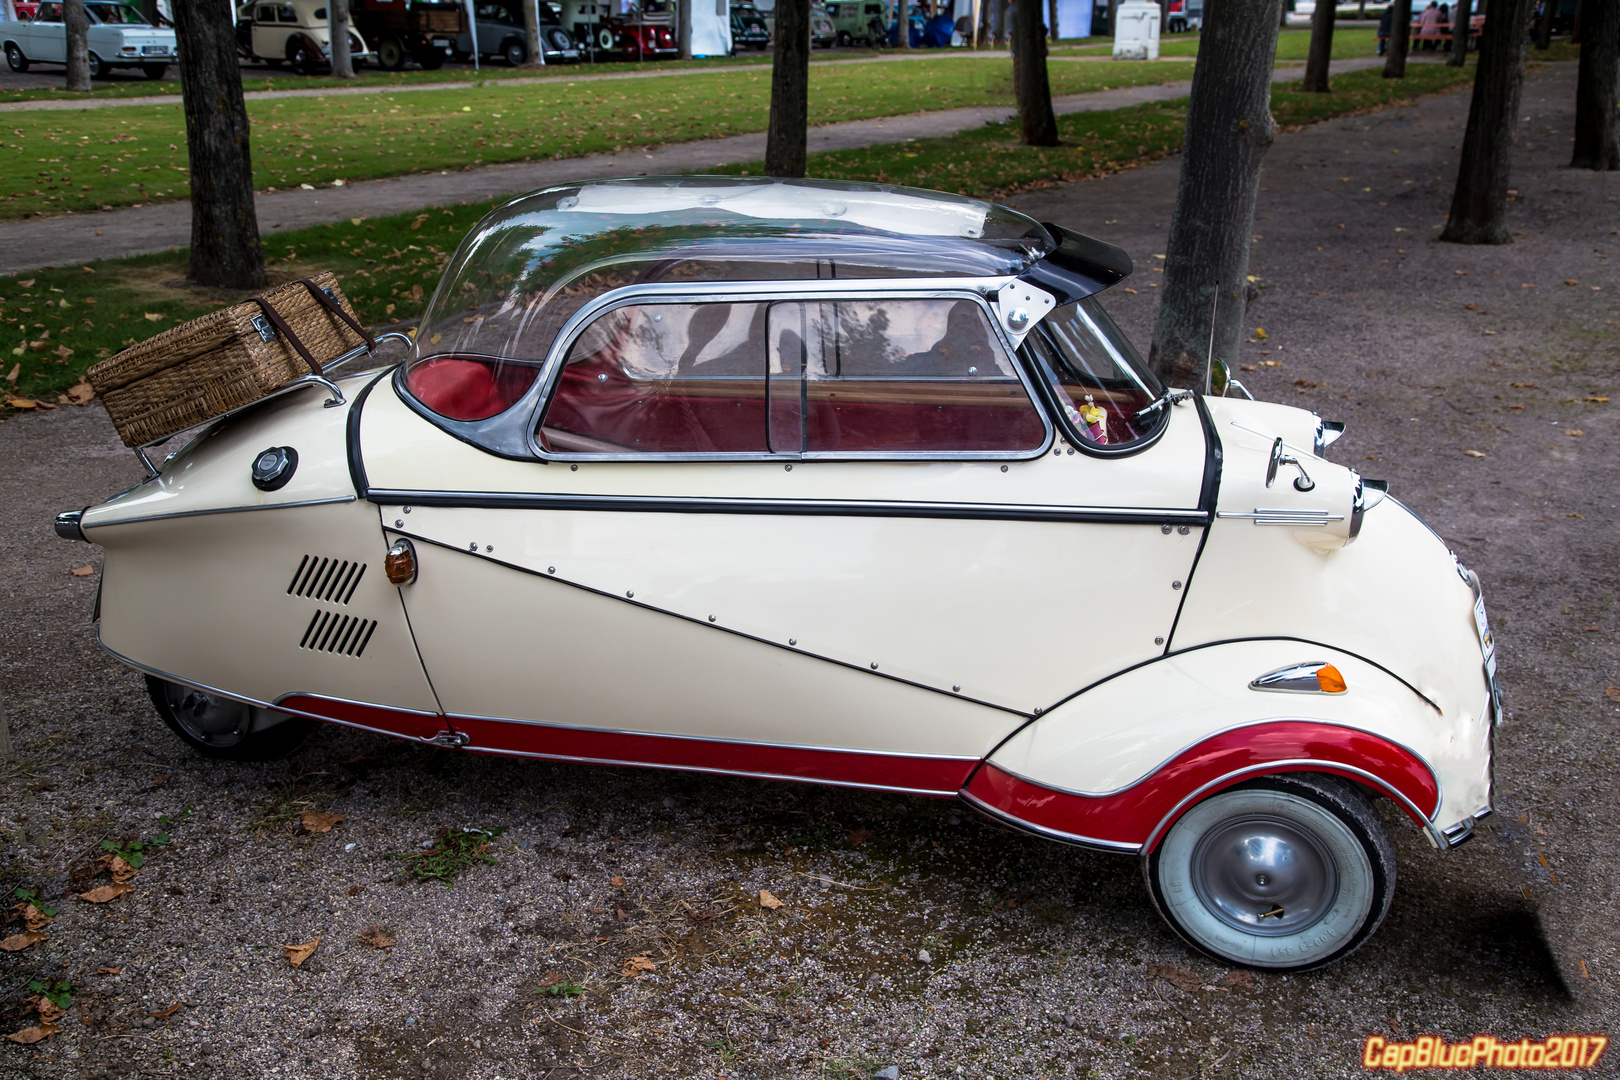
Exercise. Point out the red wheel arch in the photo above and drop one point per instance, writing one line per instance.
(1136, 817)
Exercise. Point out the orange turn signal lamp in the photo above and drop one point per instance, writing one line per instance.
(1315, 677)
(1329, 679)
(400, 562)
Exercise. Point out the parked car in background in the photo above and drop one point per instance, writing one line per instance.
(587, 22)
(853, 19)
(1185, 15)
(26, 9)
(119, 36)
(502, 33)
(402, 30)
(294, 31)
(646, 31)
(823, 34)
(748, 28)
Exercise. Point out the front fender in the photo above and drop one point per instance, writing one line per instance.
(1114, 766)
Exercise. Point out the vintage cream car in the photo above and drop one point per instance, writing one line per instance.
(297, 31)
(840, 483)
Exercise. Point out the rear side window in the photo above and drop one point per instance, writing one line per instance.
(791, 378)
(285, 13)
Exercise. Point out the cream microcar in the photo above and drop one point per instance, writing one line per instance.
(839, 483)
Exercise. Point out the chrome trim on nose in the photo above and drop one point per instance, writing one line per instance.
(68, 525)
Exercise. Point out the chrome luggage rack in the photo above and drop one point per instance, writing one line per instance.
(333, 400)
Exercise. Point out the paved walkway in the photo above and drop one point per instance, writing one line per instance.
(57, 241)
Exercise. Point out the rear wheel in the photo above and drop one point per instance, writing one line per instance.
(391, 54)
(845, 39)
(515, 53)
(15, 58)
(97, 68)
(155, 72)
(219, 727)
(1289, 872)
(301, 58)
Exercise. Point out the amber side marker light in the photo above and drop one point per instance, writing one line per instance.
(1329, 679)
(400, 563)
(1315, 677)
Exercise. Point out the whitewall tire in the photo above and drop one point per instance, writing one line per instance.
(1289, 872)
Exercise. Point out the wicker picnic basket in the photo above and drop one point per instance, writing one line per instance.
(226, 359)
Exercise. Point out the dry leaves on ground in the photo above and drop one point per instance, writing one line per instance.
(49, 1011)
(1473, 453)
(32, 917)
(376, 937)
(767, 901)
(18, 942)
(166, 1013)
(115, 865)
(1237, 980)
(859, 837)
(311, 821)
(1612, 693)
(105, 893)
(297, 954)
(82, 571)
(110, 971)
(1178, 977)
(616, 882)
(635, 965)
(29, 1036)
(78, 394)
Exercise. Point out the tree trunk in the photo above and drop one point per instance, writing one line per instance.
(78, 46)
(1597, 139)
(1229, 128)
(1164, 19)
(1361, 12)
(790, 90)
(225, 248)
(534, 45)
(1400, 38)
(683, 27)
(1001, 22)
(1052, 19)
(1321, 54)
(902, 16)
(1544, 28)
(1462, 16)
(1282, 15)
(342, 64)
(1030, 84)
(1479, 202)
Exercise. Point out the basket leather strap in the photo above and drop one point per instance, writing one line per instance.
(337, 309)
(281, 325)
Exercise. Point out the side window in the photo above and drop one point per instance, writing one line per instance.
(663, 379)
(265, 14)
(286, 14)
(907, 376)
(51, 13)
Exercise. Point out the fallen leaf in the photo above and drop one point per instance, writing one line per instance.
(1596, 400)
(356, 220)
(356, 890)
(110, 971)
(373, 935)
(33, 918)
(297, 954)
(1133, 292)
(105, 893)
(1238, 980)
(21, 402)
(82, 571)
(1179, 977)
(1575, 433)
(552, 978)
(616, 882)
(166, 1013)
(416, 292)
(29, 1036)
(12, 375)
(1260, 332)
(80, 394)
(1460, 273)
(27, 283)
(19, 942)
(767, 901)
(634, 966)
(1471, 307)
(121, 870)
(1271, 363)
(1473, 453)
(49, 1011)
(1612, 693)
(152, 316)
(313, 822)
(859, 837)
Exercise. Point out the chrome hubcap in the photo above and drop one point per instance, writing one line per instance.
(1264, 875)
(206, 718)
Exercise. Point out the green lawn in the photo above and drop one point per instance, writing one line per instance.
(56, 160)
(1292, 45)
(55, 323)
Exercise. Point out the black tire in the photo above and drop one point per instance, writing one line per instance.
(1328, 872)
(15, 58)
(515, 52)
(844, 39)
(213, 726)
(300, 58)
(431, 59)
(391, 54)
(97, 68)
(154, 72)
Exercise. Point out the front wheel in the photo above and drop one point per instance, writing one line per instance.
(15, 58)
(515, 52)
(1290, 872)
(390, 54)
(97, 68)
(219, 727)
(154, 72)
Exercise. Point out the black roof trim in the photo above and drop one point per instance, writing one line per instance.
(1080, 266)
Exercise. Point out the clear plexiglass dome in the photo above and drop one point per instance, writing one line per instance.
(533, 263)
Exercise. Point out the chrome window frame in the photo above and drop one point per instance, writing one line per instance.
(978, 290)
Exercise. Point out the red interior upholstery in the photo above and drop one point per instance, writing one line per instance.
(468, 388)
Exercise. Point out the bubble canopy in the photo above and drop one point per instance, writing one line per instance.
(533, 264)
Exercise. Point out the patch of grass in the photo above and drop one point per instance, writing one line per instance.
(990, 161)
(1292, 45)
(289, 801)
(563, 988)
(855, 1067)
(724, 1049)
(456, 851)
(79, 160)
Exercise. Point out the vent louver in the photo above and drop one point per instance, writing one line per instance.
(343, 635)
(332, 580)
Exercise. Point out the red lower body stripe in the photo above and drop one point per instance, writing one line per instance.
(1129, 817)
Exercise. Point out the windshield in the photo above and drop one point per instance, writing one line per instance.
(1097, 379)
(116, 13)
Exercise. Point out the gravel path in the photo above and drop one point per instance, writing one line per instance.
(1040, 959)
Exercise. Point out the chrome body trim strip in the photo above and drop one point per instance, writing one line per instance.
(221, 510)
(351, 701)
(1261, 516)
(1119, 847)
(169, 677)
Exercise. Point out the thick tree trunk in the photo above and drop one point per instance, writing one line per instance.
(1479, 201)
(78, 45)
(790, 91)
(1321, 54)
(1000, 24)
(902, 12)
(1229, 128)
(1400, 38)
(342, 63)
(683, 27)
(1544, 28)
(225, 248)
(1030, 84)
(1462, 16)
(1597, 139)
